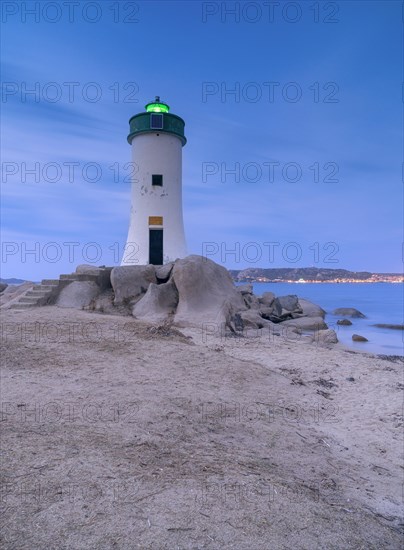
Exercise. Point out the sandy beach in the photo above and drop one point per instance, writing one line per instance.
(120, 435)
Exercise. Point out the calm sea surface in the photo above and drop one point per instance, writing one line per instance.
(380, 302)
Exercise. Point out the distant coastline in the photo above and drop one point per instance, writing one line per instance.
(311, 275)
(293, 275)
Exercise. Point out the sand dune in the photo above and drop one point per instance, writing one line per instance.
(120, 435)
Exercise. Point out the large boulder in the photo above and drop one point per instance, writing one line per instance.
(251, 301)
(78, 294)
(311, 310)
(163, 272)
(252, 319)
(158, 304)
(290, 303)
(130, 282)
(207, 294)
(267, 298)
(306, 323)
(349, 312)
(245, 289)
(281, 309)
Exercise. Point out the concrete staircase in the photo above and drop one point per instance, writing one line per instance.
(38, 295)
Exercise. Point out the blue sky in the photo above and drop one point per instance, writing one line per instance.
(335, 115)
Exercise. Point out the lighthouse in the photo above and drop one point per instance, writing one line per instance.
(156, 228)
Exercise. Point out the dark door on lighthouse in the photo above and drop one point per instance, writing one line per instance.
(156, 246)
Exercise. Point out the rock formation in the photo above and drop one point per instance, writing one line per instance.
(193, 291)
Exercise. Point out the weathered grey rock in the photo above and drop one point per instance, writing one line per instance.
(251, 301)
(245, 289)
(306, 323)
(276, 308)
(78, 294)
(276, 313)
(359, 338)
(348, 312)
(131, 282)
(163, 272)
(266, 311)
(207, 294)
(344, 322)
(309, 309)
(252, 319)
(327, 336)
(267, 298)
(158, 304)
(3, 287)
(290, 303)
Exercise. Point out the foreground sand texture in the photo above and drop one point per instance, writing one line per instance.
(120, 435)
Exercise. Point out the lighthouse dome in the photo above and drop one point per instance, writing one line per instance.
(156, 118)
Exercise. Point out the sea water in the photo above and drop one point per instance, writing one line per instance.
(380, 302)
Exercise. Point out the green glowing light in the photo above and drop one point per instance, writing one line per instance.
(157, 106)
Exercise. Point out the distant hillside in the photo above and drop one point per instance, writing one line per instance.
(13, 281)
(294, 274)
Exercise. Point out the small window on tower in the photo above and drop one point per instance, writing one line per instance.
(156, 122)
(157, 179)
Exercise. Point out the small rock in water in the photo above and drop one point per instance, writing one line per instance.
(388, 325)
(359, 338)
(344, 322)
(348, 312)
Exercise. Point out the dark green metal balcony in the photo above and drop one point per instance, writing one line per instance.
(156, 119)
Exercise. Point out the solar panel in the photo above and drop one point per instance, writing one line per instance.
(156, 121)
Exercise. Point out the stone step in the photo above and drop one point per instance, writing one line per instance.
(37, 293)
(52, 282)
(29, 299)
(45, 288)
(78, 277)
(21, 306)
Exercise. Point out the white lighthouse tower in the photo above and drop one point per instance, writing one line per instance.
(156, 228)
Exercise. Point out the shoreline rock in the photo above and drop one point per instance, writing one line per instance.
(388, 325)
(349, 312)
(359, 338)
